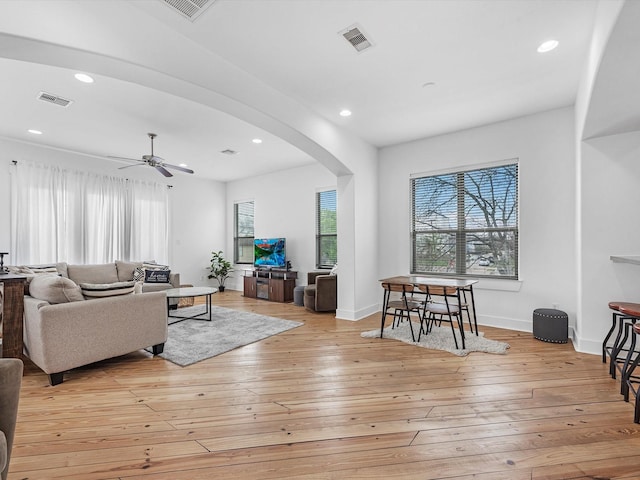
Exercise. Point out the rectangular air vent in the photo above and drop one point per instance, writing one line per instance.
(55, 99)
(190, 9)
(356, 38)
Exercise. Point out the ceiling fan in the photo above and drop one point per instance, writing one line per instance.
(154, 161)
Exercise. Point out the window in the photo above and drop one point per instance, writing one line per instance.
(82, 217)
(326, 229)
(243, 232)
(466, 223)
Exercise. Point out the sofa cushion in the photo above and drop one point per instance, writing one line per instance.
(99, 273)
(55, 289)
(126, 270)
(107, 289)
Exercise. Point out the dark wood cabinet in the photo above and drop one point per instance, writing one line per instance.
(250, 287)
(274, 285)
(12, 304)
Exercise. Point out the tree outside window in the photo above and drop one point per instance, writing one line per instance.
(243, 232)
(326, 229)
(466, 223)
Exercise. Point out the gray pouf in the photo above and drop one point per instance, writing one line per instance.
(550, 325)
(298, 296)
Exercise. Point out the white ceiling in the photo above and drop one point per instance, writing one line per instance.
(480, 55)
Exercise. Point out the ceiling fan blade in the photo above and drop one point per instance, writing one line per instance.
(163, 171)
(182, 169)
(128, 166)
(125, 158)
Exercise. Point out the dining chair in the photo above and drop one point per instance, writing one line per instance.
(400, 308)
(442, 305)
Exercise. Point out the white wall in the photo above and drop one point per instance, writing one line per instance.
(544, 145)
(197, 216)
(610, 178)
(284, 206)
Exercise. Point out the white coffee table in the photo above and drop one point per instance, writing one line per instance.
(183, 292)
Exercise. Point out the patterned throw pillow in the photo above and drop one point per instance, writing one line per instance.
(139, 272)
(156, 276)
(107, 289)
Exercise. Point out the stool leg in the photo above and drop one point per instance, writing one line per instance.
(630, 364)
(606, 339)
(618, 346)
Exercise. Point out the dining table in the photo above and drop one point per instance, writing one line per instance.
(462, 286)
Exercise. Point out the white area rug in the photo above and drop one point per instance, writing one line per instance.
(440, 338)
(192, 341)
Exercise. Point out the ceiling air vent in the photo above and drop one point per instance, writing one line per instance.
(56, 100)
(191, 9)
(356, 38)
(228, 151)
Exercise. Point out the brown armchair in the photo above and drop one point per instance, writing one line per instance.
(10, 381)
(321, 292)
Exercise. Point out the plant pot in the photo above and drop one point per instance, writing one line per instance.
(221, 288)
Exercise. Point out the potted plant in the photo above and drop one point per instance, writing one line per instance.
(220, 269)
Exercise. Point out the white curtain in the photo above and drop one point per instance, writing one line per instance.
(79, 217)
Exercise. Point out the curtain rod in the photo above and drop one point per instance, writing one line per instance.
(15, 162)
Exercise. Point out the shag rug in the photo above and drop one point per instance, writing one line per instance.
(441, 338)
(192, 341)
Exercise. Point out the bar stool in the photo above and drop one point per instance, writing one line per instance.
(617, 351)
(629, 381)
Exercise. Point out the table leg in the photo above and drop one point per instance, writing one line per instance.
(473, 308)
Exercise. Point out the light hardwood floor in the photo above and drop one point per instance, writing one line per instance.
(320, 402)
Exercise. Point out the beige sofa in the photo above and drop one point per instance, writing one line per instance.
(69, 322)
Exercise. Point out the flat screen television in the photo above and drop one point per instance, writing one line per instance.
(269, 252)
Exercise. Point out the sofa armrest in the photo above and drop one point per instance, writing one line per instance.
(68, 335)
(174, 280)
(311, 276)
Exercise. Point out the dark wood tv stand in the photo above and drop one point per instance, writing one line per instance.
(275, 284)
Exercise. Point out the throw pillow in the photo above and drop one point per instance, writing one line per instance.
(156, 276)
(107, 289)
(138, 274)
(54, 289)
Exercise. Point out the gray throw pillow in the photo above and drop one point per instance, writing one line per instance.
(55, 289)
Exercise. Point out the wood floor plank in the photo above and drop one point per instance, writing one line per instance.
(322, 402)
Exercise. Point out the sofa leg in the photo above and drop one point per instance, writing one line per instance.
(158, 349)
(56, 378)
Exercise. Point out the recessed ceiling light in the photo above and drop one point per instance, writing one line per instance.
(83, 77)
(547, 46)
(35, 132)
(345, 113)
(257, 140)
(184, 165)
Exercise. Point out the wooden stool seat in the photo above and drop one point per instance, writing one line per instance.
(630, 309)
(617, 305)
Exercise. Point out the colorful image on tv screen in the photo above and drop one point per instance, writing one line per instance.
(269, 252)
